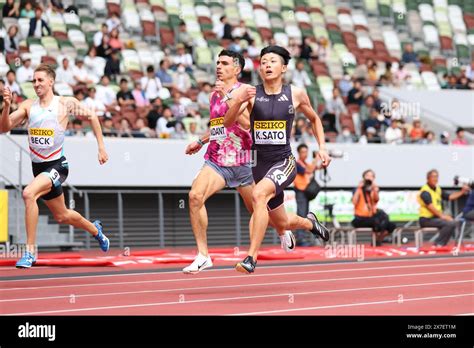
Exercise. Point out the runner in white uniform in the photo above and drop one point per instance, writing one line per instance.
(47, 119)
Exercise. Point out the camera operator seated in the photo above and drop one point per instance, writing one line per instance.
(365, 199)
(431, 209)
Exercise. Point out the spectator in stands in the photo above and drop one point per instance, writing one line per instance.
(112, 67)
(94, 65)
(178, 109)
(444, 138)
(395, 112)
(304, 173)
(105, 93)
(11, 82)
(235, 45)
(293, 47)
(179, 131)
(393, 134)
(58, 5)
(184, 37)
(99, 35)
(25, 72)
(334, 109)
(113, 22)
(124, 96)
(162, 129)
(115, 41)
(463, 83)
(155, 113)
(2, 86)
(80, 73)
(299, 76)
(75, 129)
(371, 72)
(241, 32)
(104, 50)
(27, 11)
(452, 82)
(428, 139)
(248, 67)
(125, 129)
(10, 9)
(16, 100)
(223, 29)
(12, 42)
(65, 74)
(38, 26)
(204, 95)
(366, 108)
(322, 51)
(164, 73)
(377, 101)
(431, 209)
(193, 134)
(302, 133)
(140, 130)
(366, 214)
(460, 140)
(181, 79)
(345, 85)
(371, 136)
(139, 96)
(417, 132)
(94, 103)
(151, 84)
(345, 137)
(183, 58)
(306, 52)
(108, 128)
(253, 50)
(356, 94)
(409, 56)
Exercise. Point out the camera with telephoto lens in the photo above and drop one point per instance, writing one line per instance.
(367, 185)
(458, 180)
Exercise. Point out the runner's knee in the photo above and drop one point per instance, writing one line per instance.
(61, 218)
(28, 194)
(196, 199)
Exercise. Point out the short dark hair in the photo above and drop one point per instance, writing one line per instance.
(432, 171)
(282, 52)
(301, 146)
(150, 68)
(459, 129)
(234, 55)
(367, 171)
(123, 80)
(11, 71)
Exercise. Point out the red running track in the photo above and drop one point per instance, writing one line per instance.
(437, 286)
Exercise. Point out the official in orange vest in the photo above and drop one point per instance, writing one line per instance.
(366, 214)
(431, 209)
(304, 173)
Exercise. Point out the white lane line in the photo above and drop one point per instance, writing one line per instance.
(191, 278)
(342, 264)
(357, 304)
(209, 288)
(236, 299)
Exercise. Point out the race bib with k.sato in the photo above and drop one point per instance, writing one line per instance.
(270, 132)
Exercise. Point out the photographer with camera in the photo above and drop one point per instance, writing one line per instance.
(365, 199)
(431, 208)
(306, 189)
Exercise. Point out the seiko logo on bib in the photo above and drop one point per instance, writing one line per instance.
(270, 132)
(217, 129)
(41, 137)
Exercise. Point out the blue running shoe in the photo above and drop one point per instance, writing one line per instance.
(103, 240)
(26, 261)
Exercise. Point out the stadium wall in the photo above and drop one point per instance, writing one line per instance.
(162, 163)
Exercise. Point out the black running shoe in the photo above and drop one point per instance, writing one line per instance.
(246, 266)
(319, 230)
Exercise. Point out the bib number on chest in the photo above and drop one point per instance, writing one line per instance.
(41, 137)
(217, 129)
(270, 132)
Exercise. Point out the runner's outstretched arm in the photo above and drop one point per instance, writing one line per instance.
(238, 103)
(304, 106)
(7, 122)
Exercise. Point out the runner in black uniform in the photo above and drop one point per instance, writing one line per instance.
(272, 108)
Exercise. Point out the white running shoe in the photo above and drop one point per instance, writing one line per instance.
(288, 242)
(200, 263)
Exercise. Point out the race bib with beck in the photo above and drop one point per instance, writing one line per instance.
(217, 129)
(41, 137)
(270, 132)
